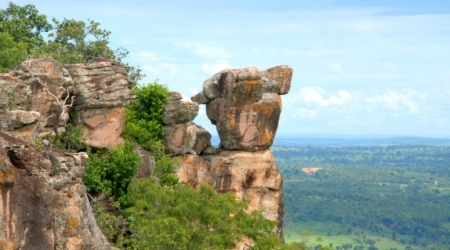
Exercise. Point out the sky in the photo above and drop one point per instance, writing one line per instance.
(360, 67)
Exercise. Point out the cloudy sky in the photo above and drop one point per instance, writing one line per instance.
(360, 67)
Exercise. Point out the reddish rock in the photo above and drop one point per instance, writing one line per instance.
(252, 176)
(180, 112)
(43, 202)
(148, 163)
(50, 84)
(179, 139)
(202, 139)
(20, 124)
(101, 127)
(101, 88)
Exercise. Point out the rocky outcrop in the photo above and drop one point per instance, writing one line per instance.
(245, 105)
(96, 91)
(42, 86)
(43, 203)
(101, 89)
(182, 136)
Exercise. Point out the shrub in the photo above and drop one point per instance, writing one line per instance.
(111, 172)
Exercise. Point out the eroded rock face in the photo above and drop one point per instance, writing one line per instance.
(43, 203)
(253, 176)
(101, 88)
(40, 85)
(245, 105)
(20, 124)
(180, 139)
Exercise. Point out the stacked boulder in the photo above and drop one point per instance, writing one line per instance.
(245, 105)
(182, 136)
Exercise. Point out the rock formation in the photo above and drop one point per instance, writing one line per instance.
(245, 105)
(43, 202)
(101, 88)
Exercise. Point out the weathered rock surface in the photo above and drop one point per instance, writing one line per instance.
(179, 139)
(101, 88)
(180, 112)
(202, 139)
(43, 203)
(20, 124)
(245, 105)
(29, 86)
(253, 176)
(148, 163)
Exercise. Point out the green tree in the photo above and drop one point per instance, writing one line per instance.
(201, 219)
(69, 41)
(144, 117)
(25, 24)
(11, 53)
(73, 41)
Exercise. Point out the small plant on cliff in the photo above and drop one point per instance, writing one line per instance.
(110, 173)
(144, 126)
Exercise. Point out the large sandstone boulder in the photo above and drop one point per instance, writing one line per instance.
(101, 88)
(252, 176)
(177, 112)
(43, 202)
(245, 114)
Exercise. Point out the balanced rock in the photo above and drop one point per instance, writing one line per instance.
(43, 202)
(101, 88)
(176, 112)
(245, 112)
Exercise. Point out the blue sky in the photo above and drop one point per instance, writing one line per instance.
(360, 67)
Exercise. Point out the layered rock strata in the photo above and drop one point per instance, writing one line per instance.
(102, 87)
(96, 91)
(245, 105)
(43, 203)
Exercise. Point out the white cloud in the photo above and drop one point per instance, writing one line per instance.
(398, 101)
(306, 113)
(128, 41)
(212, 68)
(193, 91)
(315, 95)
(335, 67)
(145, 56)
(162, 67)
(205, 51)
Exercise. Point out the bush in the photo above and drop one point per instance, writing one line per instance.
(182, 217)
(144, 118)
(111, 172)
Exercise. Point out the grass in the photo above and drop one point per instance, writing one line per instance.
(382, 243)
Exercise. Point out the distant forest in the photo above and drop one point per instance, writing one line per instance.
(401, 191)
